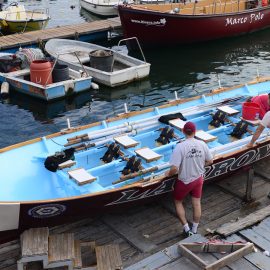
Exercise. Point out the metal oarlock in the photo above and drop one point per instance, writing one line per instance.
(219, 83)
(68, 123)
(258, 75)
(175, 95)
(125, 106)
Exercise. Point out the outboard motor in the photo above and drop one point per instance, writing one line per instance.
(51, 163)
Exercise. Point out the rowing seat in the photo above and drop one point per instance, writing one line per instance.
(177, 123)
(204, 136)
(147, 154)
(81, 176)
(67, 164)
(251, 122)
(126, 141)
(228, 110)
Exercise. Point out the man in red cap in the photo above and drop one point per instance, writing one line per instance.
(188, 160)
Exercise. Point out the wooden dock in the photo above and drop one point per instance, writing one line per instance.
(85, 31)
(154, 228)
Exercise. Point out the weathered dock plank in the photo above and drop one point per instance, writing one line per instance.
(69, 31)
(255, 259)
(249, 220)
(129, 233)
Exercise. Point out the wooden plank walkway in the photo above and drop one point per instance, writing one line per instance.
(69, 31)
(157, 225)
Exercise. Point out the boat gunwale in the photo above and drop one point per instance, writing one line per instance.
(27, 20)
(137, 9)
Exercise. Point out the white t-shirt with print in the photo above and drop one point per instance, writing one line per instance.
(190, 157)
(266, 120)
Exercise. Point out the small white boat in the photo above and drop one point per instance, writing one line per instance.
(122, 69)
(102, 7)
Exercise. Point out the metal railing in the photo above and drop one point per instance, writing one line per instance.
(138, 43)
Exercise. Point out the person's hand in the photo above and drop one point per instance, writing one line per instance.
(250, 144)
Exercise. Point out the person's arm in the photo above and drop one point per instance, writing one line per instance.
(172, 171)
(256, 135)
(208, 156)
(208, 162)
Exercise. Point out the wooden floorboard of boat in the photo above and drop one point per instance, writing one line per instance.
(156, 222)
(71, 31)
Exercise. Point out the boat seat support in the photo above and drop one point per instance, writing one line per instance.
(81, 176)
(204, 136)
(67, 164)
(251, 122)
(228, 110)
(126, 141)
(147, 154)
(177, 123)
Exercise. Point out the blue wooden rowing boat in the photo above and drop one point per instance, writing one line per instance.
(20, 81)
(82, 171)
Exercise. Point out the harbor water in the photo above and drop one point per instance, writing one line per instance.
(187, 70)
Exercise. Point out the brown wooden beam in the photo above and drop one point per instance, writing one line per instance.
(248, 248)
(191, 256)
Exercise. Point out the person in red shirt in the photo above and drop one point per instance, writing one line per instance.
(264, 102)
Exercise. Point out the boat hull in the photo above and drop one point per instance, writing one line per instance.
(22, 215)
(12, 27)
(125, 68)
(51, 91)
(100, 8)
(154, 28)
(114, 79)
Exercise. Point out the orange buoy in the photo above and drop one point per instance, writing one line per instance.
(41, 72)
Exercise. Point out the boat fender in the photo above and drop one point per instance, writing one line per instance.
(94, 86)
(69, 87)
(239, 129)
(218, 119)
(166, 135)
(4, 90)
(166, 118)
(113, 152)
(51, 163)
(133, 165)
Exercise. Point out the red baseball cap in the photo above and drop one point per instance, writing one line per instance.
(189, 127)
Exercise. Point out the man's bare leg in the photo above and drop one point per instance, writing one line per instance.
(197, 212)
(180, 210)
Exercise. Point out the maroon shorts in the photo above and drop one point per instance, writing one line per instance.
(181, 190)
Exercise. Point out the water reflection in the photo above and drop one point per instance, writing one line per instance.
(43, 111)
(89, 16)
